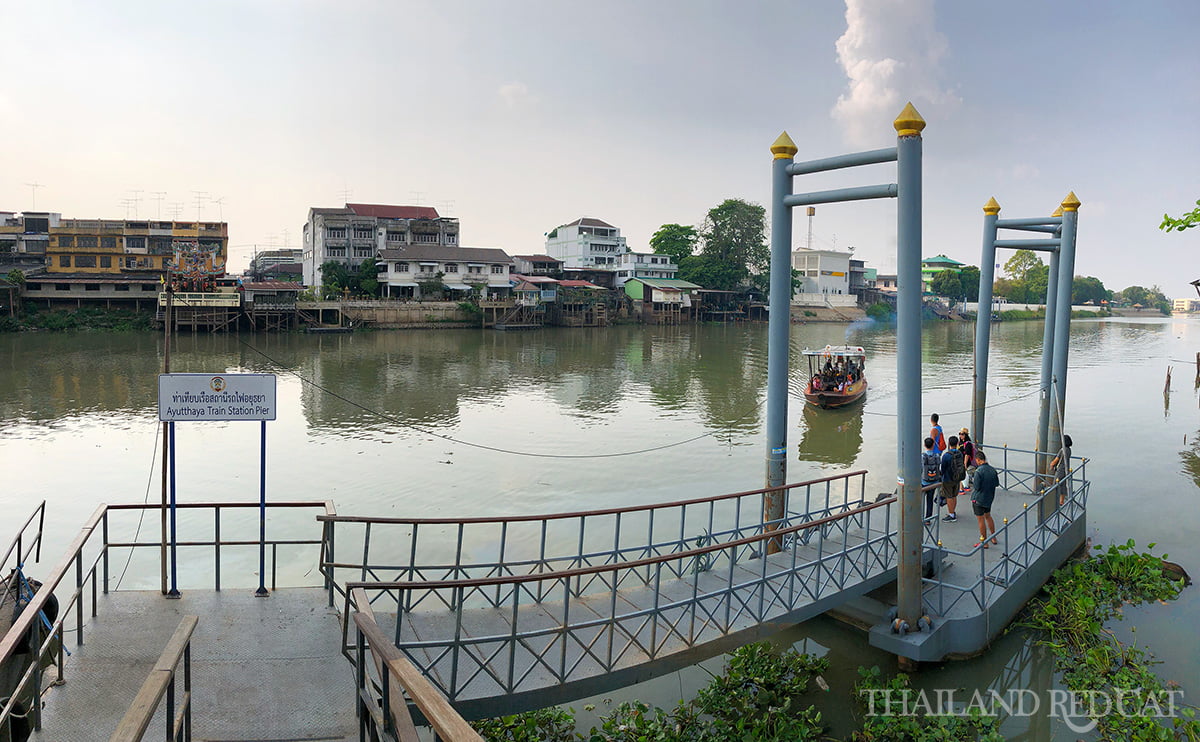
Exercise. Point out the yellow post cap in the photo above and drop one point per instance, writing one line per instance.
(1071, 202)
(909, 123)
(784, 148)
(991, 207)
(1057, 212)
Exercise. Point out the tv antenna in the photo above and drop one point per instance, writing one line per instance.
(446, 206)
(33, 189)
(417, 197)
(128, 204)
(346, 193)
(201, 197)
(220, 210)
(157, 197)
(134, 199)
(176, 209)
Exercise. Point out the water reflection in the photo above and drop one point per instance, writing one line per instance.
(832, 436)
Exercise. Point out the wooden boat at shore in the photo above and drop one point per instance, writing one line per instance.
(836, 376)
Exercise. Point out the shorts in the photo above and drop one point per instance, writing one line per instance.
(979, 509)
(949, 489)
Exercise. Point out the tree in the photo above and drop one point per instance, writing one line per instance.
(1087, 288)
(334, 279)
(1021, 263)
(1037, 280)
(1135, 295)
(1004, 287)
(1187, 220)
(433, 287)
(675, 240)
(734, 234)
(948, 284)
(969, 277)
(711, 273)
(367, 280)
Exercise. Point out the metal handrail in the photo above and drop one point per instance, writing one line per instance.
(398, 677)
(725, 584)
(1029, 544)
(578, 513)
(597, 569)
(18, 545)
(31, 623)
(160, 682)
(556, 541)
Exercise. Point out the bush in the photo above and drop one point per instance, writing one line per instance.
(880, 312)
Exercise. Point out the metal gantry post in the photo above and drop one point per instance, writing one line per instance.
(1062, 321)
(983, 318)
(909, 125)
(1045, 507)
(778, 329)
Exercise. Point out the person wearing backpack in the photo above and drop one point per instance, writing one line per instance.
(935, 432)
(953, 471)
(931, 474)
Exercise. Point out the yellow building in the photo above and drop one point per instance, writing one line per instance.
(87, 247)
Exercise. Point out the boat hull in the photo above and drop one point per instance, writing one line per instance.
(830, 398)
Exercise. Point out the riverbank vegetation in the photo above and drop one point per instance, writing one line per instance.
(82, 318)
(762, 695)
(1069, 617)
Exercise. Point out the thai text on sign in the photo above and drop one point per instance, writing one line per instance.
(216, 397)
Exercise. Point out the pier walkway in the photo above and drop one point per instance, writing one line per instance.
(512, 613)
(497, 615)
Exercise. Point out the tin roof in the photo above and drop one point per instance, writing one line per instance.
(667, 283)
(385, 211)
(446, 253)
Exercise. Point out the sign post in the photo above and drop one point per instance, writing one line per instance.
(201, 397)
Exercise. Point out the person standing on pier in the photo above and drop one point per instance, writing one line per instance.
(935, 432)
(983, 492)
(931, 468)
(1059, 466)
(968, 448)
(953, 471)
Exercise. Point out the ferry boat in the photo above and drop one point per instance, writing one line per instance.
(837, 376)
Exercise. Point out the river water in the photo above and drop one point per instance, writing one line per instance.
(427, 423)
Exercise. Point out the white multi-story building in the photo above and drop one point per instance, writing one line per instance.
(644, 265)
(822, 271)
(25, 237)
(586, 243)
(406, 272)
(357, 232)
(1186, 305)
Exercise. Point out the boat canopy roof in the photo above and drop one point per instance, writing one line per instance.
(837, 351)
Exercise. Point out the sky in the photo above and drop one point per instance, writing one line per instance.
(517, 116)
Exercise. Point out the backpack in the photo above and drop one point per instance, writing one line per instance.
(958, 466)
(931, 466)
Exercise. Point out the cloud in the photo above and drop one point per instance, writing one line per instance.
(1025, 171)
(515, 95)
(891, 54)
